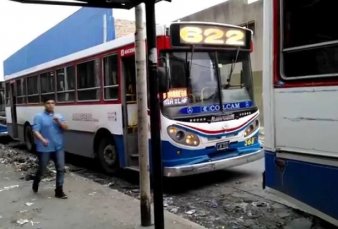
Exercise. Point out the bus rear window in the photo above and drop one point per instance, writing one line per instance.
(310, 39)
(309, 22)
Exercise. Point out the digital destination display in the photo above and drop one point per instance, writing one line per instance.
(209, 35)
(175, 96)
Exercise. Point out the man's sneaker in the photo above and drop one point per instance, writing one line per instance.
(60, 194)
(35, 187)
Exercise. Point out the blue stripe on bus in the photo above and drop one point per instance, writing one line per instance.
(215, 107)
(313, 184)
(119, 142)
(174, 156)
(3, 128)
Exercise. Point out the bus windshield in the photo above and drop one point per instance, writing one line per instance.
(202, 83)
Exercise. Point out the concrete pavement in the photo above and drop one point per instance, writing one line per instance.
(90, 205)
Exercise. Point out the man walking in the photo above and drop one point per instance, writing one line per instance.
(48, 130)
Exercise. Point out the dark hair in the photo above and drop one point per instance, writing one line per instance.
(46, 98)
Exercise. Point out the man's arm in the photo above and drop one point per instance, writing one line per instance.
(36, 130)
(40, 138)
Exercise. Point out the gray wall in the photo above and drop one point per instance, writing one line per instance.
(238, 12)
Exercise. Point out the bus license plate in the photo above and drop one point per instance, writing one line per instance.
(222, 145)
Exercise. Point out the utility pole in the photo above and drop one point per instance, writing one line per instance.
(142, 111)
(156, 152)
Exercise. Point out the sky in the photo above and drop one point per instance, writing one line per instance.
(22, 23)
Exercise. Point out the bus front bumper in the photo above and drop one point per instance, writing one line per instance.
(185, 170)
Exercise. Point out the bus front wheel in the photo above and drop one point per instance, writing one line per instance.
(29, 139)
(108, 156)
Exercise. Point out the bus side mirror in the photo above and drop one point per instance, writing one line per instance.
(163, 79)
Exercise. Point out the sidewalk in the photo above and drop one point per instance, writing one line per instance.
(90, 205)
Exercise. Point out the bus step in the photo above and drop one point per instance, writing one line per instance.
(134, 155)
(133, 167)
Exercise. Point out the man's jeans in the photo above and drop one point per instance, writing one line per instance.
(59, 160)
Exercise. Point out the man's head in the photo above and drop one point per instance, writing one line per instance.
(49, 105)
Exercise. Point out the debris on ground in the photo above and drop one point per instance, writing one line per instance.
(26, 163)
(22, 221)
(9, 188)
(29, 204)
(33, 223)
(214, 205)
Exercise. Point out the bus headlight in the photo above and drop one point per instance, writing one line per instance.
(251, 128)
(183, 137)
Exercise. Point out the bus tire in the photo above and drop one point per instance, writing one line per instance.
(108, 156)
(29, 139)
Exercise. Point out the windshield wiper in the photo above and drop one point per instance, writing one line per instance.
(232, 67)
(219, 87)
(189, 65)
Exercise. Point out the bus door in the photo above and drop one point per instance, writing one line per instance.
(129, 110)
(13, 110)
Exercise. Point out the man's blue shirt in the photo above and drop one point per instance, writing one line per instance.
(50, 130)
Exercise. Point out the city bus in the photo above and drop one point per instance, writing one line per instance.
(300, 91)
(209, 120)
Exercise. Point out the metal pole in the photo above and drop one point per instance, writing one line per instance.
(157, 170)
(141, 88)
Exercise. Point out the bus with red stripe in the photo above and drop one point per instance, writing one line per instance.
(300, 88)
(209, 118)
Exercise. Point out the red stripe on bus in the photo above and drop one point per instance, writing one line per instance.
(223, 130)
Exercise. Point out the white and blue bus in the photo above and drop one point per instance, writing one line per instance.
(209, 118)
(300, 93)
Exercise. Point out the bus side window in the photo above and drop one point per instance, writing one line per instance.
(130, 79)
(2, 103)
(131, 88)
(8, 97)
(65, 79)
(33, 89)
(110, 77)
(21, 91)
(47, 85)
(88, 81)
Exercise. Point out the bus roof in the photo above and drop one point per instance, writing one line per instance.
(74, 56)
(93, 26)
(114, 44)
